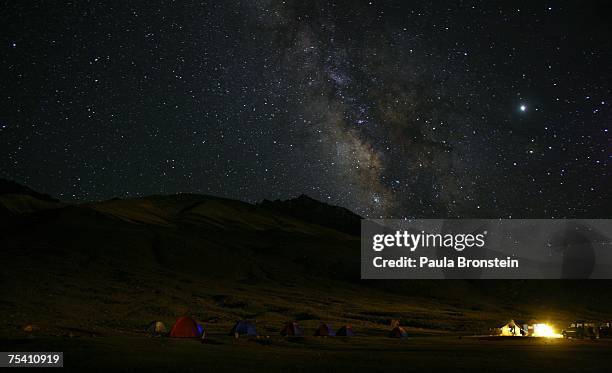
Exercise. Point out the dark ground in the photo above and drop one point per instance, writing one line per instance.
(372, 354)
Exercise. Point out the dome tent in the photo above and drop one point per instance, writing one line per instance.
(345, 331)
(510, 328)
(325, 330)
(156, 328)
(186, 327)
(292, 329)
(398, 332)
(244, 327)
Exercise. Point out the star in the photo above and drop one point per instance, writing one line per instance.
(376, 198)
(523, 108)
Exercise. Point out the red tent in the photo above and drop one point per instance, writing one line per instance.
(292, 329)
(398, 332)
(325, 330)
(186, 327)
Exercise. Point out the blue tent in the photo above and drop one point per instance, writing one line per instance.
(244, 327)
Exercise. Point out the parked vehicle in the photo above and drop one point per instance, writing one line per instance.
(582, 330)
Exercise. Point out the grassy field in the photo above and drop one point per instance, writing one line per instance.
(324, 354)
(119, 303)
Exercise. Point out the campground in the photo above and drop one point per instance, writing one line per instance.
(89, 279)
(371, 353)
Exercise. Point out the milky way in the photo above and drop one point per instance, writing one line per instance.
(391, 109)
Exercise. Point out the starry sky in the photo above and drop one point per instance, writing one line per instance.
(389, 108)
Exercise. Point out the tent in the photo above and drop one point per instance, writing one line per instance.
(398, 332)
(292, 329)
(346, 331)
(186, 327)
(244, 327)
(156, 328)
(325, 330)
(508, 329)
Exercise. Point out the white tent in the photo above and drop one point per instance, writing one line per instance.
(510, 329)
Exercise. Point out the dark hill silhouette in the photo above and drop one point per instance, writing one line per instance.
(16, 200)
(11, 187)
(316, 212)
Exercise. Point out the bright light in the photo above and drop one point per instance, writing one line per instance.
(523, 107)
(545, 330)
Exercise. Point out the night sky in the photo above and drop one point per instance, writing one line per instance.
(391, 109)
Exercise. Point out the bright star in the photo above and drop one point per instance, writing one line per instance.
(523, 108)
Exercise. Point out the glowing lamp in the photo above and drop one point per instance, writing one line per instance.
(545, 330)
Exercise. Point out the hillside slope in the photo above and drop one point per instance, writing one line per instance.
(107, 268)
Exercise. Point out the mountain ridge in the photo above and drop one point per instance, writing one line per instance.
(111, 266)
